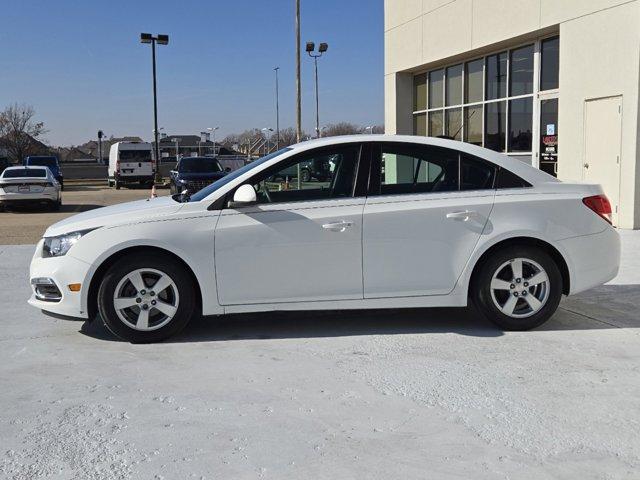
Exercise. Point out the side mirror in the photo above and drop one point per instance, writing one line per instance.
(245, 195)
(227, 170)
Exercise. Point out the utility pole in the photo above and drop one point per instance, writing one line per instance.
(298, 83)
(100, 135)
(277, 111)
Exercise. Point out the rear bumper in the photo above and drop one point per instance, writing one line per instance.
(24, 198)
(134, 178)
(593, 259)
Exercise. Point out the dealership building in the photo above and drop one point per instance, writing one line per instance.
(554, 83)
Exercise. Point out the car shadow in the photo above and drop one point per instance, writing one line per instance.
(606, 307)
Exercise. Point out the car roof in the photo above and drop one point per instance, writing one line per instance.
(519, 167)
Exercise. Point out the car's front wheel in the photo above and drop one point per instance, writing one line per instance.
(146, 298)
(518, 288)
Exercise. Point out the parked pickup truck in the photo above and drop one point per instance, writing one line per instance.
(195, 173)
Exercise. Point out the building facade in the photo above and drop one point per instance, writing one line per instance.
(554, 83)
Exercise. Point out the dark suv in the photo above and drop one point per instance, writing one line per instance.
(195, 173)
(46, 161)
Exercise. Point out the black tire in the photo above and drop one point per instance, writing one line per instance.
(55, 206)
(165, 264)
(481, 291)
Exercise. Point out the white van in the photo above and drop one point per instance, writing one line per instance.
(129, 163)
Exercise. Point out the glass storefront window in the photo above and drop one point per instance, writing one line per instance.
(454, 123)
(520, 124)
(454, 85)
(474, 81)
(420, 92)
(435, 124)
(436, 88)
(550, 63)
(521, 71)
(496, 81)
(495, 126)
(420, 124)
(473, 125)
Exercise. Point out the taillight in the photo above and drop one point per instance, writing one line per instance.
(599, 204)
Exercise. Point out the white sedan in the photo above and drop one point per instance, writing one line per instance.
(397, 222)
(29, 186)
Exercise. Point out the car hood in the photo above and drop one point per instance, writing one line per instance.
(123, 213)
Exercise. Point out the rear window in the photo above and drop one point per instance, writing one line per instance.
(135, 155)
(25, 172)
(42, 162)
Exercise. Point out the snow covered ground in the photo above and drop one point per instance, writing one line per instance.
(377, 395)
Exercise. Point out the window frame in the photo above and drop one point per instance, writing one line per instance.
(359, 185)
(537, 66)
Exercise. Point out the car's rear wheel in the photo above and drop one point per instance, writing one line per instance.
(146, 298)
(518, 288)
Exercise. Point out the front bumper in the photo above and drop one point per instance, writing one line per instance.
(64, 271)
(593, 259)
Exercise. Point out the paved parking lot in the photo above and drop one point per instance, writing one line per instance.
(378, 394)
(26, 225)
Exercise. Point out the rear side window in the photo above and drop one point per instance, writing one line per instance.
(406, 168)
(416, 169)
(507, 179)
(476, 174)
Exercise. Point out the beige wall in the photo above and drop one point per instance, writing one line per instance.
(600, 56)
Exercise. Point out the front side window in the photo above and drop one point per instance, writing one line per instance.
(317, 175)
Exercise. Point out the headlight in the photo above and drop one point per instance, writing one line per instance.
(184, 182)
(60, 245)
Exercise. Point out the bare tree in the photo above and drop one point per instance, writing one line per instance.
(342, 128)
(19, 132)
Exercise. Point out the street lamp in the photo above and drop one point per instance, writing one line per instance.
(370, 128)
(277, 111)
(177, 141)
(266, 141)
(213, 133)
(323, 47)
(160, 40)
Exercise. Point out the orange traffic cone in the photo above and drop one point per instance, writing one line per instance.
(153, 192)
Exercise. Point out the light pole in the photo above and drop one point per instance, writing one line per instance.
(176, 141)
(277, 111)
(161, 40)
(370, 128)
(100, 135)
(266, 140)
(323, 47)
(298, 81)
(213, 133)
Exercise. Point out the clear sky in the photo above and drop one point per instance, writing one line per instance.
(80, 64)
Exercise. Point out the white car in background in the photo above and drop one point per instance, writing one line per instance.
(32, 185)
(401, 222)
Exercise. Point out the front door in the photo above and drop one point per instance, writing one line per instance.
(302, 241)
(423, 219)
(602, 142)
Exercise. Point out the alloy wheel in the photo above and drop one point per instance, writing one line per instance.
(146, 299)
(520, 288)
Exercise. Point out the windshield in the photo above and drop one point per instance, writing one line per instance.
(42, 161)
(205, 192)
(199, 165)
(135, 155)
(25, 172)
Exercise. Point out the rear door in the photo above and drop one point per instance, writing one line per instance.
(425, 212)
(135, 162)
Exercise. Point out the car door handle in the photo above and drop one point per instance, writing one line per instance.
(337, 226)
(461, 216)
